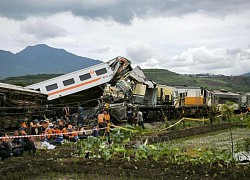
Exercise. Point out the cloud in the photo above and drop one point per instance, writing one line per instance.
(140, 52)
(41, 28)
(194, 60)
(101, 50)
(183, 36)
(215, 61)
(123, 11)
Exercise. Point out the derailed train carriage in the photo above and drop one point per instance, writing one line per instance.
(118, 84)
(17, 103)
(245, 102)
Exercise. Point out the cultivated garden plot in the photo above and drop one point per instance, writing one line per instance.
(204, 156)
(217, 140)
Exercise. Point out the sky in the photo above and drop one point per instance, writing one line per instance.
(183, 36)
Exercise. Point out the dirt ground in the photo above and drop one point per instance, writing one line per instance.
(60, 164)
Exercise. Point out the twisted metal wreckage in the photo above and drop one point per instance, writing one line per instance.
(116, 83)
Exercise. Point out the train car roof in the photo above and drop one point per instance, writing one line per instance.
(216, 92)
(188, 87)
(18, 88)
(67, 74)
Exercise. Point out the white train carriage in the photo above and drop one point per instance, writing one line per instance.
(79, 80)
(218, 98)
(245, 100)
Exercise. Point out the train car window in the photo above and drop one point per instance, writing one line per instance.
(101, 71)
(51, 87)
(69, 82)
(85, 77)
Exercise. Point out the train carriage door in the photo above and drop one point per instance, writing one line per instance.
(182, 99)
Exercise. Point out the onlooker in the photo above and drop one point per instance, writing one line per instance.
(140, 119)
(81, 133)
(73, 136)
(59, 135)
(130, 116)
(5, 150)
(27, 143)
(80, 115)
(23, 125)
(34, 125)
(16, 145)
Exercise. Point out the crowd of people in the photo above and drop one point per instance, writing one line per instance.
(57, 131)
(47, 130)
(15, 146)
(44, 130)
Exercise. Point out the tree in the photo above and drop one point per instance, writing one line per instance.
(212, 113)
(227, 111)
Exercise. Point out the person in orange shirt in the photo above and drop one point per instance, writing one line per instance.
(104, 122)
(49, 131)
(101, 124)
(107, 120)
(23, 125)
(65, 130)
(248, 109)
(59, 135)
(74, 135)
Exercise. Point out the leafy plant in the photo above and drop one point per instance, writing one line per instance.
(227, 111)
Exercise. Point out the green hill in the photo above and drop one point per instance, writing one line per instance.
(247, 74)
(29, 79)
(213, 82)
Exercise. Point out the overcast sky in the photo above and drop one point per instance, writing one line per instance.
(185, 36)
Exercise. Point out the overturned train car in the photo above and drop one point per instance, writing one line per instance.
(17, 103)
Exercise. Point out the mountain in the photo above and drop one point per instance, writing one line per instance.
(246, 75)
(41, 59)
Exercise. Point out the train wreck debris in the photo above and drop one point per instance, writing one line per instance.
(18, 102)
(117, 85)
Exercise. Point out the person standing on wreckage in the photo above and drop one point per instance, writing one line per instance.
(80, 115)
